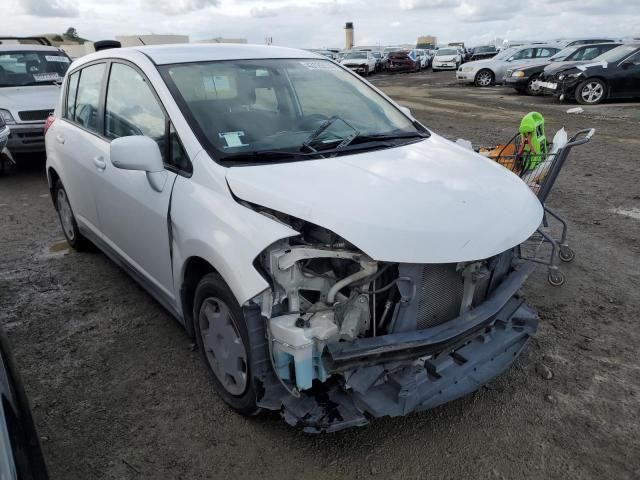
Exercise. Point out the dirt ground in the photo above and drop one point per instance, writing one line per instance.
(118, 393)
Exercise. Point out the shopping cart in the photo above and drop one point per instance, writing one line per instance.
(540, 171)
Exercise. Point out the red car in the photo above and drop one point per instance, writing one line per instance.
(403, 61)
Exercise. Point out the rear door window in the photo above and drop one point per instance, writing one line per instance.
(72, 90)
(523, 54)
(88, 97)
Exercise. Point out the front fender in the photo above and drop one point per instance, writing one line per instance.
(208, 223)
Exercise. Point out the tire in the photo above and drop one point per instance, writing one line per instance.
(591, 91)
(530, 89)
(366, 72)
(75, 239)
(484, 78)
(215, 308)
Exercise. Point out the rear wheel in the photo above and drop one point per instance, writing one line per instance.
(222, 337)
(484, 78)
(68, 220)
(591, 91)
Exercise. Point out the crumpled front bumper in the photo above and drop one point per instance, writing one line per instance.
(397, 374)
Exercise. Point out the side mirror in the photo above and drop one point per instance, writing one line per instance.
(142, 154)
(406, 111)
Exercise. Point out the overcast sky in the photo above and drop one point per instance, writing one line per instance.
(320, 23)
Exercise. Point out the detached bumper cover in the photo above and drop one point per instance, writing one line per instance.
(397, 374)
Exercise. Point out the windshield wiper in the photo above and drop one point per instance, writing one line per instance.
(358, 139)
(325, 125)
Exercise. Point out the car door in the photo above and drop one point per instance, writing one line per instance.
(75, 138)
(625, 79)
(133, 216)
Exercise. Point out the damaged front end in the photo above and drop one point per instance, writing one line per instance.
(350, 338)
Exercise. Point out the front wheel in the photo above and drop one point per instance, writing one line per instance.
(223, 340)
(591, 91)
(484, 78)
(533, 88)
(75, 239)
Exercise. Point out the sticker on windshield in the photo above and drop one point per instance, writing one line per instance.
(56, 58)
(46, 77)
(233, 139)
(320, 66)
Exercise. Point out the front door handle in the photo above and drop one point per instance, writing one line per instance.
(60, 139)
(99, 162)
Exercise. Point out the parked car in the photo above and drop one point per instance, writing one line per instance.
(300, 224)
(378, 56)
(482, 53)
(484, 73)
(446, 59)
(614, 74)
(30, 77)
(525, 78)
(20, 453)
(425, 59)
(418, 56)
(586, 41)
(385, 55)
(402, 61)
(360, 61)
(5, 155)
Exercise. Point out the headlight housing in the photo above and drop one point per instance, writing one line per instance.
(570, 75)
(6, 115)
(518, 73)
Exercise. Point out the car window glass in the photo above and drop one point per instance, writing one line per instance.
(545, 52)
(523, 54)
(131, 107)
(635, 60)
(88, 96)
(72, 90)
(586, 53)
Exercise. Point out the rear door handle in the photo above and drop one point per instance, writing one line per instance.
(60, 139)
(99, 162)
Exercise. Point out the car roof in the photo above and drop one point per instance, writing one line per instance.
(192, 52)
(26, 47)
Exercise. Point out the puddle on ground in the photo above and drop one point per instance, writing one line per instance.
(58, 249)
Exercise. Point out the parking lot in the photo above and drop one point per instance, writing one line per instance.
(119, 392)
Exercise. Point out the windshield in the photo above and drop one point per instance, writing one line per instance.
(355, 55)
(22, 68)
(505, 54)
(616, 54)
(562, 54)
(243, 107)
(446, 51)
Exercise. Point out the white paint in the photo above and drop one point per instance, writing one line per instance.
(631, 213)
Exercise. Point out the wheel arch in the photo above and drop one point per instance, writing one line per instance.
(52, 179)
(194, 269)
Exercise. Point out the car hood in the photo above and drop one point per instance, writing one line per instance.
(354, 61)
(446, 58)
(428, 202)
(38, 97)
(556, 67)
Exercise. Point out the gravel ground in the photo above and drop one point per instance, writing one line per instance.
(118, 393)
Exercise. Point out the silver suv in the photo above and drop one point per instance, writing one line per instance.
(30, 78)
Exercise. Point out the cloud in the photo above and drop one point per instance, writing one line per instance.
(51, 8)
(427, 4)
(263, 12)
(178, 7)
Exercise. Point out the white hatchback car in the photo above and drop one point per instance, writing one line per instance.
(333, 258)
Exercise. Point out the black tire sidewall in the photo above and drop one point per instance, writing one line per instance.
(475, 80)
(212, 285)
(578, 92)
(528, 89)
(79, 242)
